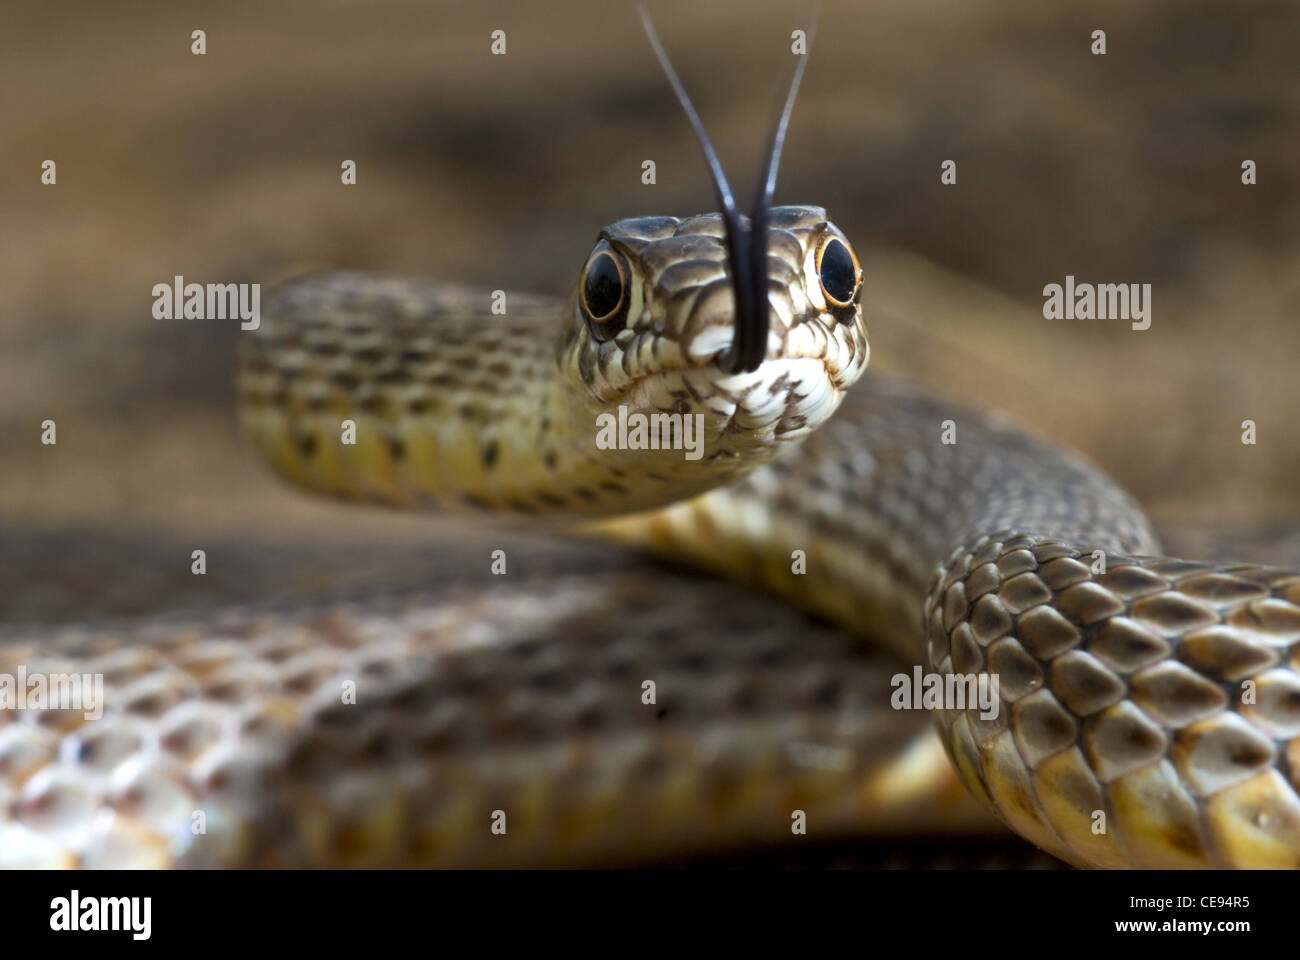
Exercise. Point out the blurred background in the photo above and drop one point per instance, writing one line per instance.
(499, 170)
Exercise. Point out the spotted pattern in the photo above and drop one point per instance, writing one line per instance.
(226, 741)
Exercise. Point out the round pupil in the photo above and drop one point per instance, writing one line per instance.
(837, 274)
(604, 287)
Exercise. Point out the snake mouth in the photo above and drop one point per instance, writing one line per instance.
(643, 358)
(789, 395)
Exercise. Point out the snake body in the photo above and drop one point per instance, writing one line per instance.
(1149, 708)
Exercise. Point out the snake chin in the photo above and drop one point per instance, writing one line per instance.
(812, 360)
(786, 398)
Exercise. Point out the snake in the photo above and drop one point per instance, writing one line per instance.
(597, 710)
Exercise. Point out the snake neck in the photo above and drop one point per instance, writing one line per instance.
(860, 524)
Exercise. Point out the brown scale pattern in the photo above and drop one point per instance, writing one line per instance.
(1160, 687)
(1121, 693)
(524, 698)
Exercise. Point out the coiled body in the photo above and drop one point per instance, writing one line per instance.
(1148, 706)
(1147, 712)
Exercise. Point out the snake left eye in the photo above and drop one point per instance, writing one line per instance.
(839, 274)
(603, 292)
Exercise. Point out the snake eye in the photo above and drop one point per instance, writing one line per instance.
(840, 276)
(604, 292)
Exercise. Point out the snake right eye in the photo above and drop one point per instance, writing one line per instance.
(840, 276)
(604, 292)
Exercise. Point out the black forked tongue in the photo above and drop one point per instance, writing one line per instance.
(746, 246)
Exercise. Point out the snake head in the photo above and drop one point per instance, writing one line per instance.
(654, 317)
(753, 323)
